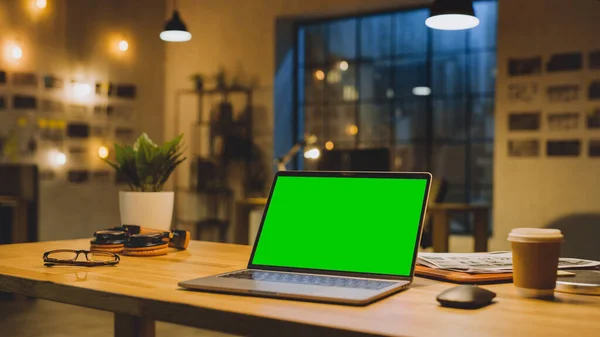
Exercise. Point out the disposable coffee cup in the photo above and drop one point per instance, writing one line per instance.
(535, 253)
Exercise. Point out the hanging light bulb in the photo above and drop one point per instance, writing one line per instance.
(452, 15)
(175, 30)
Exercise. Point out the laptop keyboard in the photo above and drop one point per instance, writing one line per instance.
(345, 282)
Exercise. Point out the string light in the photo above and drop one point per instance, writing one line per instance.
(343, 66)
(329, 145)
(57, 158)
(352, 129)
(320, 75)
(16, 52)
(103, 152)
(123, 45)
(81, 89)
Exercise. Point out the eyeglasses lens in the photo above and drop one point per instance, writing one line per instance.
(101, 257)
(63, 256)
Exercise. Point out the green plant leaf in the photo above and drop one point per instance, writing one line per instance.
(113, 165)
(170, 170)
(171, 146)
(119, 153)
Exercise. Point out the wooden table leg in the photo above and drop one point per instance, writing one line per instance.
(133, 326)
(441, 231)
(480, 229)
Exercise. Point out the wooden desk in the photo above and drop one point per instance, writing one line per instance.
(242, 221)
(441, 224)
(141, 290)
(19, 225)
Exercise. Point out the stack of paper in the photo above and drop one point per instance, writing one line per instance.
(486, 263)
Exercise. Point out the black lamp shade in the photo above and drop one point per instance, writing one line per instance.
(175, 23)
(441, 7)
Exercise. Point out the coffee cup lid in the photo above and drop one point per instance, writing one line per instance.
(535, 235)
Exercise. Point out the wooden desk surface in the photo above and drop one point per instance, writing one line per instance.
(148, 287)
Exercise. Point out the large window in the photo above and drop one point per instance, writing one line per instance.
(388, 81)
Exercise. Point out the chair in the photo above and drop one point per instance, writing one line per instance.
(437, 193)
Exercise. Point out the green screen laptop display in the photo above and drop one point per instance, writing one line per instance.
(364, 225)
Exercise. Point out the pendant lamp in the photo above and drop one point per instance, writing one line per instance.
(452, 15)
(175, 30)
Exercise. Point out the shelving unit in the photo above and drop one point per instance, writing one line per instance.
(207, 198)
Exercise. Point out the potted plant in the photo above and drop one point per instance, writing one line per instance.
(198, 81)
(147, 167)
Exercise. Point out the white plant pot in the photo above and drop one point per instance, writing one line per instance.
(147, 209)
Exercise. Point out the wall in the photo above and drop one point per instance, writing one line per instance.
(76, 40)
(539, 191)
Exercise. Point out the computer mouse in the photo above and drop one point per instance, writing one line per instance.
(466, 297)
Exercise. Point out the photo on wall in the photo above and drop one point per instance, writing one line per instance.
(593, 119)
(78, 130)
(121, 112)
(565, 62)
(78, 150)
(78, 155)
(594, 148)
(100, 131)
(78, 110)
(47, 175)
(103, 110)
(101, 176)
(563, 93)
(78, 176)
(24, 102)
(563, 148)
(525, 66)
(25, 79)
(126, 91)
(48, 105)
(595, 59)
(523, 148)
(594, 90)
(524, 121)
(558, 121)
(51, 82)
(104, 89)
(522, 92)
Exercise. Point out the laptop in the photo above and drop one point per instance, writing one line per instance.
(335, 237)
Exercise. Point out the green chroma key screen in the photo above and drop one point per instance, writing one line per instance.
(364, 225)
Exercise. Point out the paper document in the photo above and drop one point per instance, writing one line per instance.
(486, 263)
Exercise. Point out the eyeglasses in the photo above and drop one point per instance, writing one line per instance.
(70, 257)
